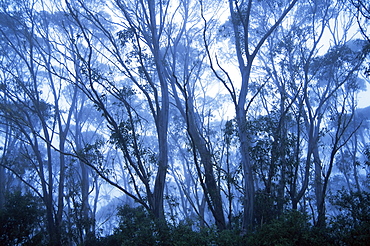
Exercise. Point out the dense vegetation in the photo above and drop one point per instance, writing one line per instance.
(184, 122)
(22, 224)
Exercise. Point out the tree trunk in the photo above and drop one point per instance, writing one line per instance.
(318, 185)
(212, 190)
(249, 190)
(241, 119)
(2, 186)
(162, 131)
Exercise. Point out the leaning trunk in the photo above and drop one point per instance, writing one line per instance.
(212, 190)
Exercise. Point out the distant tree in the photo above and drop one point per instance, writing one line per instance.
(39, 119)
(362, 13)
(26, 111)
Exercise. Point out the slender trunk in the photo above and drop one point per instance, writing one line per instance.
(229, 185)
(283, 165)
(95, 205)
(2, 168)
(7, 145)
(282, 150)
(214, 191)
(354, 162)
(202, 209)
(312, 141)
(47, 194)
(53, 238)
(2, 186)
(336, 147)
(281, 189)
(60, 199)
(161, 177)
(241, 118)
(162, 128)
(249, 189)
(318, 183)
(162, 115)
(85, 207)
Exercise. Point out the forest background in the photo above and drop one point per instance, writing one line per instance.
(183, 122)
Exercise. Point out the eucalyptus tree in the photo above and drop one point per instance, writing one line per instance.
(192, 201)
(24, 107)
(341, 77)
(352, 157)
(77, 120)
(153, 52)
(190, 94)
(333, 83)
(361, 10)
(290, 58)
(310, 86)
(10, 158)
(63, 117)
(133, 48)
(251, 26)
(33, 104)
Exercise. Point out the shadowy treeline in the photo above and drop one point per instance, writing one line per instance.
(22, 223)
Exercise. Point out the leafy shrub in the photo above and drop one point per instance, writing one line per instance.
(352, 226)
(21, 220)
(292, 228)
(136, 227)
(265, 208)
(183, 234)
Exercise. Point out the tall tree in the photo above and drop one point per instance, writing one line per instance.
(247, 47)
(142, 34)
(26, 109)
(186, 71)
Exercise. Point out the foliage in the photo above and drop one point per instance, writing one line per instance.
(138, 227)
(352, 225)
(21, 220)
(292, 228)
(265, 207)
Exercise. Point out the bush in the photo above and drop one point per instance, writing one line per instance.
(137, 227)
(292, 228)
(352, 226)
(20, 220)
